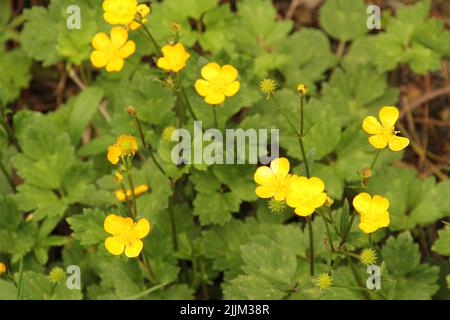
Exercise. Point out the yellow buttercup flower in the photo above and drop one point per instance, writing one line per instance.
(323, 281)
(217, 83)
(268, 87)
(368, 256)
(119, 11)
(305, 195)
(125, 146)
(120, 195)
(111, 53)
(373, 212)
(174, 57)
(126, 235)
(274, 180)
(2, 267)
(383, 134)
(142, 12)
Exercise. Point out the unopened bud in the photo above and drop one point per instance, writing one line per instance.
(131, 110)
(302, 89)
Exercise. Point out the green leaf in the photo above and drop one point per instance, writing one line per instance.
(83, 109)
(46, 37)
(8, 290)
(344, 19)
(442, 244)
(88, 227)
(15, 74)
(401, 255)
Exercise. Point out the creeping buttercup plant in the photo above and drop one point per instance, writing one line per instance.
(90, 181)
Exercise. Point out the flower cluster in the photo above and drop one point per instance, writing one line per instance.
(302, 193)
(125, 147)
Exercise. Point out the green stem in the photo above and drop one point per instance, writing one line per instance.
(288, 120)
(174, 229)
(358, 278)
(152, 156)
(377, 155)
(300, 137)
(134, 206)
(141, 132)
(311, 245)
(146, 292)
(20, 285)
(152, 40)
(127, 199)
(215, 116)
(328, 231)
(146, 262)
(186, 100)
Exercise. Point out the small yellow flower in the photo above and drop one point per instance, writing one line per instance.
(142, 11)
(120, 195)
(273, 181)
(373, 211)
(268, 87)
(306, 195)
(167, 133)
(126, 235)
(368, 256)
(125, 146)
(57, 275)
(119, 11)
(174, 57)
(112, 52)
(277, 207)
(2, 267)
(217, 83)
(323, 281)
(118, 177)
(384, 134)
(302, 89)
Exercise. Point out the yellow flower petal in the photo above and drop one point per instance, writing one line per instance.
(380, 203)
(119, 36)
(264, 175)
(371, 125)
(388, 116)
(315, 185)
(215, 99)
(202, 87)
(143, 10)
(114, 246)
(304, 211)
(378, 141)
(211, 71)
(116, 225)
(231, 89)
(398, 143)
(319, 200)
(101, 41)
(114, 153)
(265, 192)
(133, 249)
(141, 229)
(100, 58)
(127, 50)
(362, 202)
(116, 64)
(280, 166)
(228, 73)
